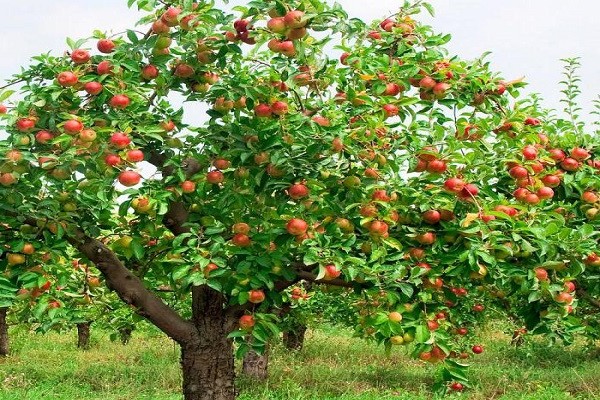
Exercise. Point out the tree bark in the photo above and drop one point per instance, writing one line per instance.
(293, 339)
(4, 347)
(125, 335)
(256, 365)
(83, 335)
(208, 362)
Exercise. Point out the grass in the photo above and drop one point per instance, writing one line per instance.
(332, 366)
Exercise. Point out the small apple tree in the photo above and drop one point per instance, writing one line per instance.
(418, 179)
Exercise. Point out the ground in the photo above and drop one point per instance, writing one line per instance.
(333, 365)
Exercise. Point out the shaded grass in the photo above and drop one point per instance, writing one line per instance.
(332, 366)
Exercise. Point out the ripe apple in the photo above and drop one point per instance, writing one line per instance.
(120, 140)
(457, 386)
(378, 228)
(331, 272)
(589, 197)
(129, 178)
(277, 25)
(246, 322)
(541, 274)
(298, 191)
(25, 124)
(390, 110)
(279, 108)
(262, 110)
(87, 135)
(256, 296)
(119, 101)
(3, 109)
(529, 152)
(105, 46)
(67, 79)
(455, 185)
(241, 240)
(215, 177)
(579, 153)
(93, 88)
(170, 16)
(135, 155)
(294, 19)
(296, 226)
(518, 172)
(436, 166)
(80, 56)
(73, 126)
(433, 325)
(395, 316)
(440, 89)
(427, 83)
(477, 349)
(104, 68)
(569, 286)
(570, 164)
(160, 27)
(112, 160)
(287, 48)
(183, 70)
(149, 72)
(478, 308)
(426, 238)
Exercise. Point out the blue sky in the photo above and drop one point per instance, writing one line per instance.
(527, 38)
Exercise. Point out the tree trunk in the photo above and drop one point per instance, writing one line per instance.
(83, 335)
(125, 335)
(293, 339)
(3, 332)
(208, 362)
(256, 365)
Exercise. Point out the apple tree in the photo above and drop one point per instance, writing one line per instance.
(420, 180)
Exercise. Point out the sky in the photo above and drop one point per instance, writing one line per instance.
(526, 37)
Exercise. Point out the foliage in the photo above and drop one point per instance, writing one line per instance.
(422, 181)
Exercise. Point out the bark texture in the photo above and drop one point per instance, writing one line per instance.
(293, 339)
(83, 335)
(4, 347)
(256, 365)
(208, 362)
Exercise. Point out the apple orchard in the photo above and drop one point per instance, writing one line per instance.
(422, 182)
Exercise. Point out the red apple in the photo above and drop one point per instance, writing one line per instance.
(294, 19)
(215, 177)
(120, 140)
(149, 72)
(105, 46)
(80, 56)
(67, 79)
(104, 68)
(73, 126)
(256, 296)
(93, 88)
(246, 322)
(296, 227)
(119, 101)
(129, 178)
(298, 191)
(331, 272)
(135, 155)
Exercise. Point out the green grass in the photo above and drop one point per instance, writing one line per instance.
(332, 366)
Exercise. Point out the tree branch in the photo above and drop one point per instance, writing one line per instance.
(131, 289)
(587, 297)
